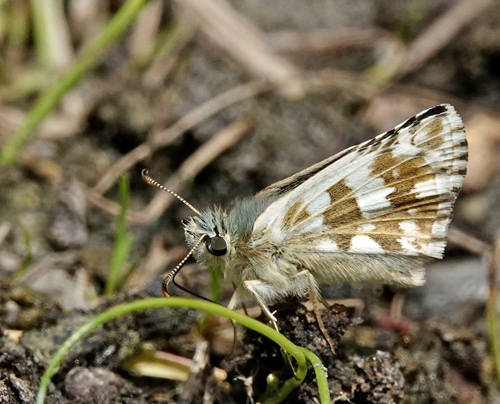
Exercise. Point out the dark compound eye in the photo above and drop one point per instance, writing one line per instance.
(185, 221)
(217, 246)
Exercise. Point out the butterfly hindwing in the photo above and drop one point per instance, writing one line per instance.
(390, 196)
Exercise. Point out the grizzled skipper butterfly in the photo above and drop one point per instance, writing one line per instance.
(374, 212)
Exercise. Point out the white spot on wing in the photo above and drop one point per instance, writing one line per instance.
(375, 201)
(427, 188)
(367, 227)
(439, 185)
(439, 228)
(319, 204)
(365, 245)
(326, 246)
(435, 249)
(408, 227)
(370, 192)
(408, 245)
(445, 206)
(313, 225)
(406, 149)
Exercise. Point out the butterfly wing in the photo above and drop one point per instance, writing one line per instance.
(288, 184)
(376, 210)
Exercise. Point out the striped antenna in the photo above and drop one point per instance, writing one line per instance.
(171, 274)
(156, 184)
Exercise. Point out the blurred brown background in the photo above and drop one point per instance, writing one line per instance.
(218, 99)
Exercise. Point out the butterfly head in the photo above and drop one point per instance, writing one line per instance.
(211, 225)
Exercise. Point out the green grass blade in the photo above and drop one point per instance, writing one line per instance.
(215, 284)
(152, 303)
(123, 240)
(89, 58)
(28, 258)
(50, 33)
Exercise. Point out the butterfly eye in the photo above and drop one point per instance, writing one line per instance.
(217, 246)
(185, 222)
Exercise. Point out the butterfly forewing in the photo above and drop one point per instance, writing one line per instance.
(390, 198)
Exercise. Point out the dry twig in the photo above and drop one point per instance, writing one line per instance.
(440, 32)
(190, 120)
(145, 30)
(222, 141)
(156, 262)
(469, 243)
(246, 43)
(168, 57)
(327, 41)
(188, 170)
(328, 79)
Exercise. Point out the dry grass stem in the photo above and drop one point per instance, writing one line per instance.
(328, 79)
(190, 120)
(205, 154)
(145, 30)
(165, 365)
(220, 142)
(44, 167)
(200, 362)
(468, 242)
(55, 127)
(156, 262)
(126, 162)
(206, 110)
(87, 19)
(327, 41)
(440, 32)
(101, 202)
(168, 58)
(247, 44)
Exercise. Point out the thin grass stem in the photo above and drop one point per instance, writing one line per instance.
(51, 97)
(123, 240)
(151, 303)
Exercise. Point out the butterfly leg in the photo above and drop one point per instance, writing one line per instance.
(235, 299)
(313, 298)
(252, 287)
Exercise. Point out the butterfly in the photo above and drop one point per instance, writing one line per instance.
(374, 212)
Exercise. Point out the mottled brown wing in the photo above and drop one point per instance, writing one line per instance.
(391, 195)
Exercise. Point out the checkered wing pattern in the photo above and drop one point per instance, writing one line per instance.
(376, 211)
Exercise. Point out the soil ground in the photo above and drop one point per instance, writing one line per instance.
(320, 77)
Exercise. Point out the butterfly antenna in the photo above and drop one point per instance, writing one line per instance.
(170, 276)
(156, 184)
(191, 292)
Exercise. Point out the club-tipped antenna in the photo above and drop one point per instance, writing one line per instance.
(156, 184)
(171, 274)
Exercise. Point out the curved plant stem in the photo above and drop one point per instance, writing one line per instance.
(321, 376)
(89, 58)
(151, 303)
